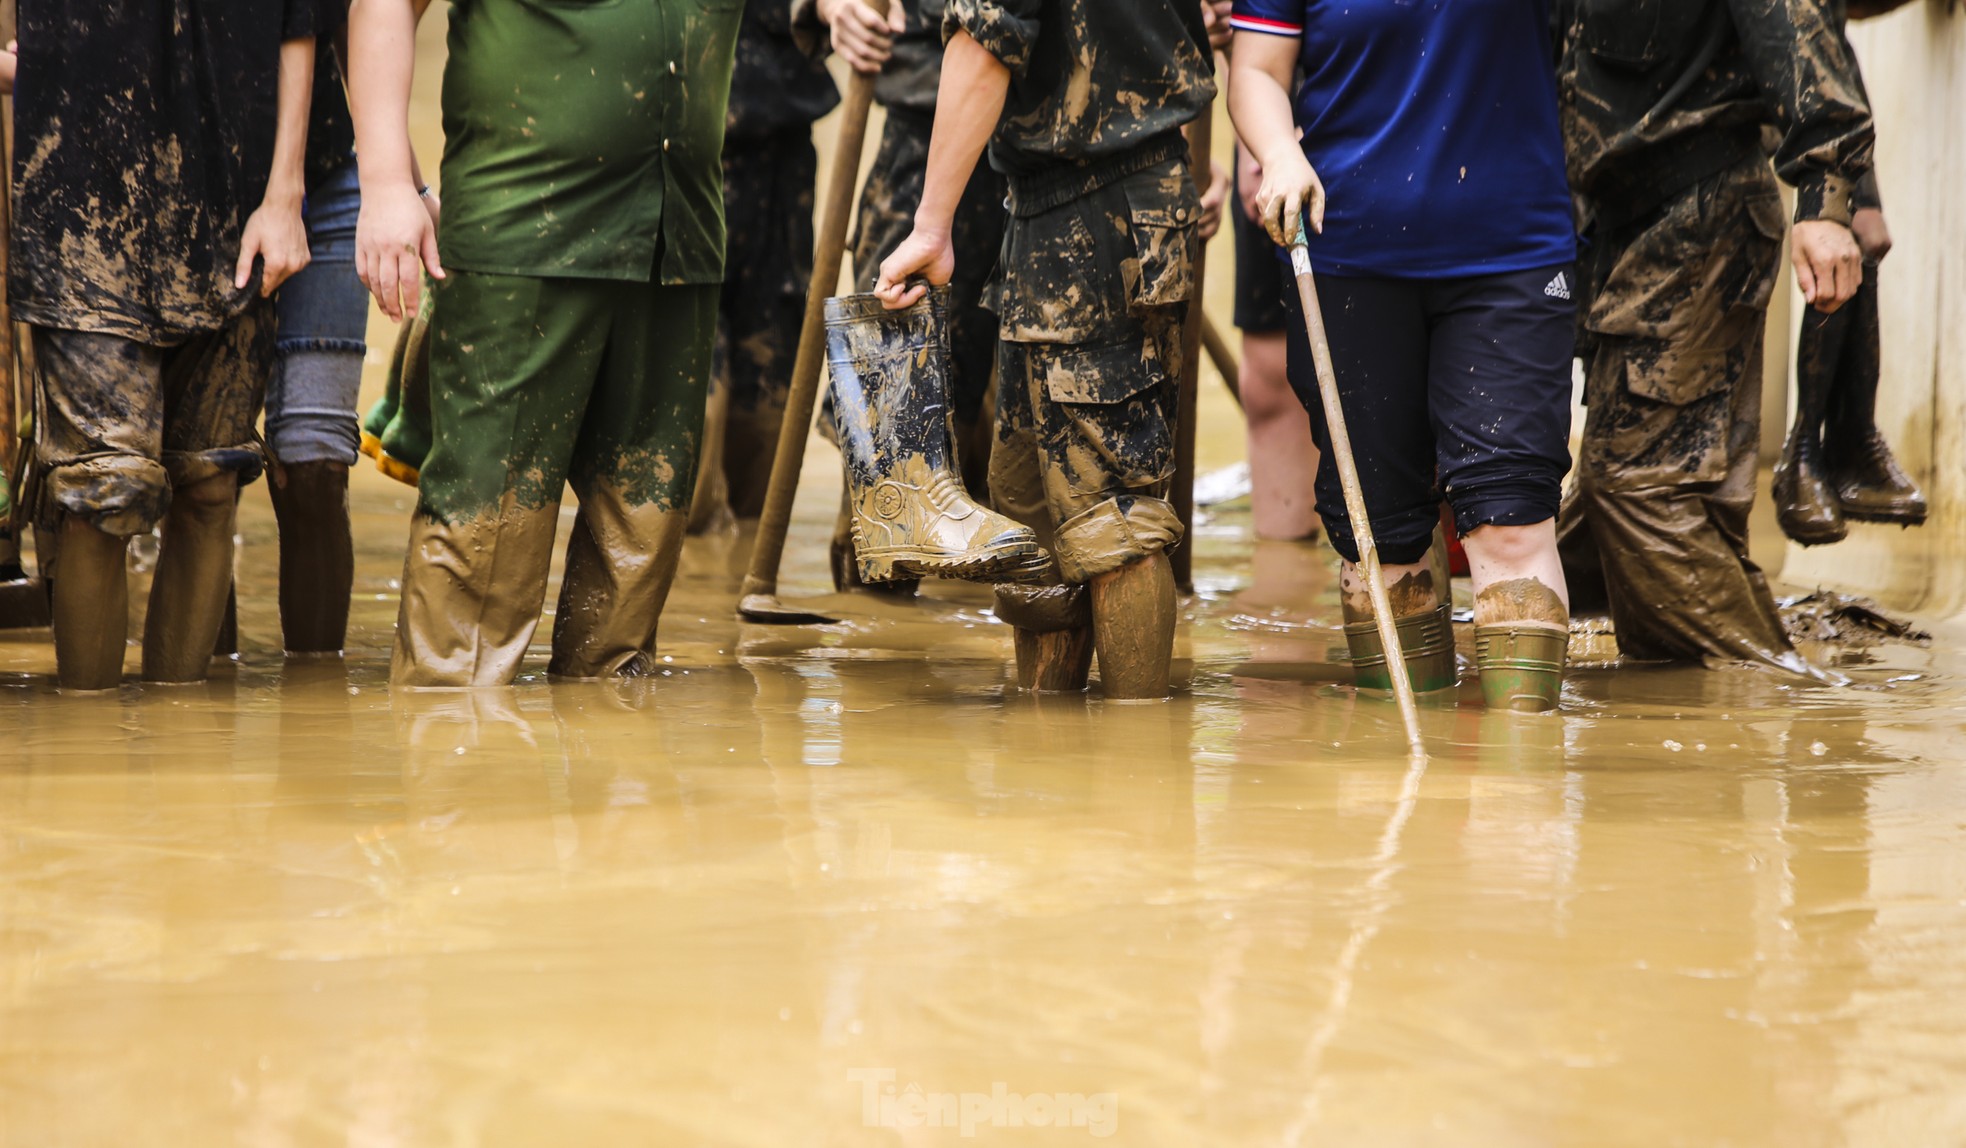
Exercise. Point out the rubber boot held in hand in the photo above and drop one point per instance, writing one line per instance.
(1805, 505)
(1870, 485)
(911, 516)
(1522, 639)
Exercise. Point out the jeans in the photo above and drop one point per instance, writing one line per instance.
(324, 314)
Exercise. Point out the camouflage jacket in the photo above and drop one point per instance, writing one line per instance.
(1090, 80)
(774, 85)
(1658, 94)
(911, 77)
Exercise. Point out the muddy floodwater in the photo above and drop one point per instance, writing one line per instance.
(756, 899)
(840, 885)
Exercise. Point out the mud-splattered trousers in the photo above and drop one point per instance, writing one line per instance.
(1090, 295)
(536, 384)
(119, 423)
(1673, 330)
(887, 216)
(768, 201)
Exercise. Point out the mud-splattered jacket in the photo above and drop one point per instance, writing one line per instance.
(775, 85)
(1659, 94)
(143, 141)
(581, 139)
(1090, 80)
(912, 75)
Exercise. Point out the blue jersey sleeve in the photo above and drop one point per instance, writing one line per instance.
(1275, 17)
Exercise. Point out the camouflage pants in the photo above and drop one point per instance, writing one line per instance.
(1676, 307)
(119, 423)
(768, 202)
(887, 216)
(1090, 296)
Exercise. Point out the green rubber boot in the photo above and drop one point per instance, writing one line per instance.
(1521, 665)
(1427, 641)
(396, 431)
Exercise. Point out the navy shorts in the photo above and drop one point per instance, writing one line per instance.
(1454, 387)
(1259, 296)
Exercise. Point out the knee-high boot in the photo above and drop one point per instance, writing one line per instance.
(1869, 484)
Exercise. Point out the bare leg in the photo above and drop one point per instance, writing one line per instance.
(91, 607)
(194, 575)
(1522, 614)
(1282, 458)
(1500, 554)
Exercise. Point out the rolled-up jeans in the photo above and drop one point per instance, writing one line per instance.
(324, 315)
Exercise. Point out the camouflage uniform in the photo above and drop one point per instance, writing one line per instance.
(1097, 269)
(770, 169)
(1664, 110)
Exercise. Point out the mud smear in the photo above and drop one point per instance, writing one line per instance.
(288, 907)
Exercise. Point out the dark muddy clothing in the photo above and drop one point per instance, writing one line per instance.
(119, 423)
(581, 139)
(774, 83)
(1091, 81)
(912, 75)
(1259, 282)
(330, 127)
(143, 139)
(1673, 388)
(1660, 94)
(1484, 360)
(887, 216)
(1090, 298)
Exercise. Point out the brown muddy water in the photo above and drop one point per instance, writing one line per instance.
(839, 885)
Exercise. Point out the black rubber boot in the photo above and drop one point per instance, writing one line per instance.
(1805, 505)
(1869, 484)
(911, 516)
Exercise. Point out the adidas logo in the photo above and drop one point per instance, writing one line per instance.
(1559, 287)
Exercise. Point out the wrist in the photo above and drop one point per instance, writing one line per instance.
(284, 194)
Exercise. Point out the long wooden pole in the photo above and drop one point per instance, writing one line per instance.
(1341, 451)
(758, 598)
(9, 385)
(1201, 140)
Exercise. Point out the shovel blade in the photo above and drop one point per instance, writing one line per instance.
(768, 610)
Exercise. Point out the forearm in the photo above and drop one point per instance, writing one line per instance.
(381, 64)
(968, 104)
(1259, 103)
(286, 182)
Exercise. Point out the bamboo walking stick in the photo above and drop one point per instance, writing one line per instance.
(758, 598)
(1341, 452)
(1223, 358)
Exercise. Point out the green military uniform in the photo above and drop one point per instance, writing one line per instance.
(1096, 271)
(583, 238)
(1664, 109)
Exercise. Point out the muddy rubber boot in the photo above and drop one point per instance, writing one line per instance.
(1805, 504)
(1521, 665)
(1427, 641)
(1052, 630)
(193, 580)
(1522, 638)
(911, 516)
(91, 607)
(1133, 628)
(317, 555)
(846, 567)
(396, 431)
(1869, 483)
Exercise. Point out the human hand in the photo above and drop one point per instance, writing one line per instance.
(1212, 201)
(1873, 237)
(9, 63)
(275, 235)
(395, 239)
(1829, 267)
(1215, 15)
(1290, 187)
(861, 36)
(927, 253)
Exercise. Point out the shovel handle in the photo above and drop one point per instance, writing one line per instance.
(842, 180)
(1341, 453)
